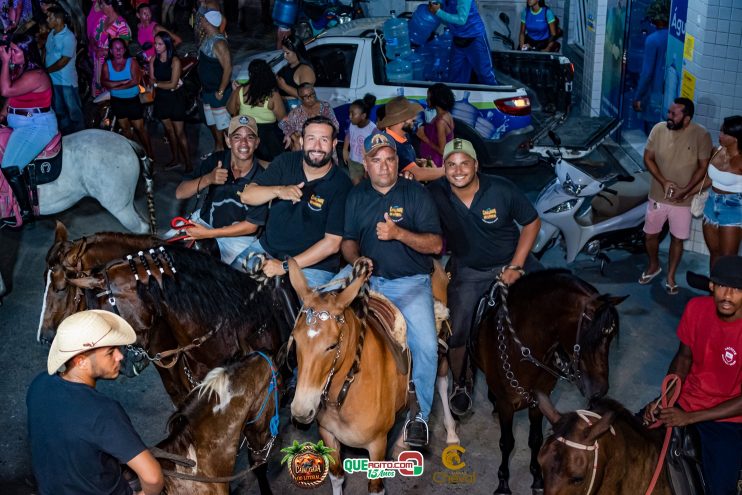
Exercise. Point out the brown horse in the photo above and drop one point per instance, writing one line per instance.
(606, 450)
(207, 428)
(332, 345)
(190, 311)
(65, 257)
(521, 350)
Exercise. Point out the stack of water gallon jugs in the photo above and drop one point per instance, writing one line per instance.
(410, 51)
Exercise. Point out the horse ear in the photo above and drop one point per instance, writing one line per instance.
(96, 282)
(602, 426)
(60, 233)
(351, 292)
(547, 408)
(613, 300)
(298, 281)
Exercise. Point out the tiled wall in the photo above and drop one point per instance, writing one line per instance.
(716, 26)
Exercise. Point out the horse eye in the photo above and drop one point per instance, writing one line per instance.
(576, 480)
(333, 346)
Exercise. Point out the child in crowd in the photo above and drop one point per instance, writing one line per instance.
(360, 128)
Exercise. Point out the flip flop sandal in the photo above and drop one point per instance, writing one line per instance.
(671, 289)
(645, 279)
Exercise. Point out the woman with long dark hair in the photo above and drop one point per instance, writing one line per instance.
(435, 134)
(722, 215)
(538, 28)
(298, 69)
(260, 99)
(28, 90)
(165, 70)
(121, 75)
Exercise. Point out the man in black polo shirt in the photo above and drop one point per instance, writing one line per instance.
(479, 214)
(308, 193)
(393, 222)
(225, 173)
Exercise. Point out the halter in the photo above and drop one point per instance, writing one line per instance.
(585, 415)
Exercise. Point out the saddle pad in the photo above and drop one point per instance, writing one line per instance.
(44, 170)
(386, 319)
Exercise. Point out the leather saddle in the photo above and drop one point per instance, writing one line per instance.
(386, 320)
(46, 167)
(683, 462)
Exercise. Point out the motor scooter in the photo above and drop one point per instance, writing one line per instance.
(317, 16)
(590, 214)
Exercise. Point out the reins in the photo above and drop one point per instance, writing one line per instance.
(670, 381)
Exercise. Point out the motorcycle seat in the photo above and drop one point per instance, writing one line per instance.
(629, 195)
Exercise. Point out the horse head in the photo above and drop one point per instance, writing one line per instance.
(325, 334)
(569, 457)
(63, 261)
(597, 327)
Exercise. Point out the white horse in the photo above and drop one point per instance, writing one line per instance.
(105, 166)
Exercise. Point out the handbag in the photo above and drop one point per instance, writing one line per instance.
(699, 200)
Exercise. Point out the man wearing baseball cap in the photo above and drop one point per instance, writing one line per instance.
(393, 222)
(709, 363)
(222, 175)
(215, 71)
(79, 437)
(480, 215)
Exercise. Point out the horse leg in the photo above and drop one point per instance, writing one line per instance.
(377, 452)
(507, 443)
(337, 473)
(535, 439)
(442, 385)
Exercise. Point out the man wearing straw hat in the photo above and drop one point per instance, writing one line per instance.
(79, 437)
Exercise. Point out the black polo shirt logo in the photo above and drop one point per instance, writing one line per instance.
(316, 202)
(489, 215)
(396, 213)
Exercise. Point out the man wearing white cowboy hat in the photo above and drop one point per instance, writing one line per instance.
(399, 114)
(79, 437)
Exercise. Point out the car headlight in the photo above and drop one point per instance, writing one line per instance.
(562, 207)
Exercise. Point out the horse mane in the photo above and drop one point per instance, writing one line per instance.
(209, 291)
(605, 316)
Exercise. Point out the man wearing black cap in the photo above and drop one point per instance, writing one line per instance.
(393, 222)
(709, 363)
(222, 175)
(480, 215)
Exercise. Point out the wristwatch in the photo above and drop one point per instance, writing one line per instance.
(285, 266)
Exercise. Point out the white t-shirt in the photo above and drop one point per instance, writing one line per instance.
(357, 135)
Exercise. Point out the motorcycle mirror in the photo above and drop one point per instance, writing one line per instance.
(554, 138)
(505, 18)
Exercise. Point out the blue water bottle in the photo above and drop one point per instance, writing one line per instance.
(284, 13)
(418, 65)
(421, 25)
(399, 70)
(396, 37)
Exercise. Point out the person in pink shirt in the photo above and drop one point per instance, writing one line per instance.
(147, 28)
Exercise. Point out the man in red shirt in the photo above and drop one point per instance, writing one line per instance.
(709, 362)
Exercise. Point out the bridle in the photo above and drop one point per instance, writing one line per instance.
(311, 318)
(595, 447)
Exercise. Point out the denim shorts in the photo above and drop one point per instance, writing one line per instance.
(723, 210)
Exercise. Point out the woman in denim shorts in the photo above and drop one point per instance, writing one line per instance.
(722, 216)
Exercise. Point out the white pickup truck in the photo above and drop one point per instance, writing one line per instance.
(504, 122)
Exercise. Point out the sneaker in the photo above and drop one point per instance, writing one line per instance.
(416, 432)
(460, 401)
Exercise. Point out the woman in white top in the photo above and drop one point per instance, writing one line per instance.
(722, 216)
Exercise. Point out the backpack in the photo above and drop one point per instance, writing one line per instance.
(8, 205)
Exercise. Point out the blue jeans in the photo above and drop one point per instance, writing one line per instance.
(67, 106)
(721, 455)
(414, 297)
(723, 210)
(475, 57)
(29, 138)
(314, 276)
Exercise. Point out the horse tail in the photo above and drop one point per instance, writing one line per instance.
(149, 184)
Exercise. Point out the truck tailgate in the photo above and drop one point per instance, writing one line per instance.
(579, 135)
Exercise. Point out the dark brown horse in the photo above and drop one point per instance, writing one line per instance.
(66, 258)
(553, 325)
(606, 450)
(208, 427)
(185, 302)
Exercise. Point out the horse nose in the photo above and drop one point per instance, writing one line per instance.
(303, 418)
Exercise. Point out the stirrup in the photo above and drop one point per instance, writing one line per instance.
(416, 419)
(460, 389)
